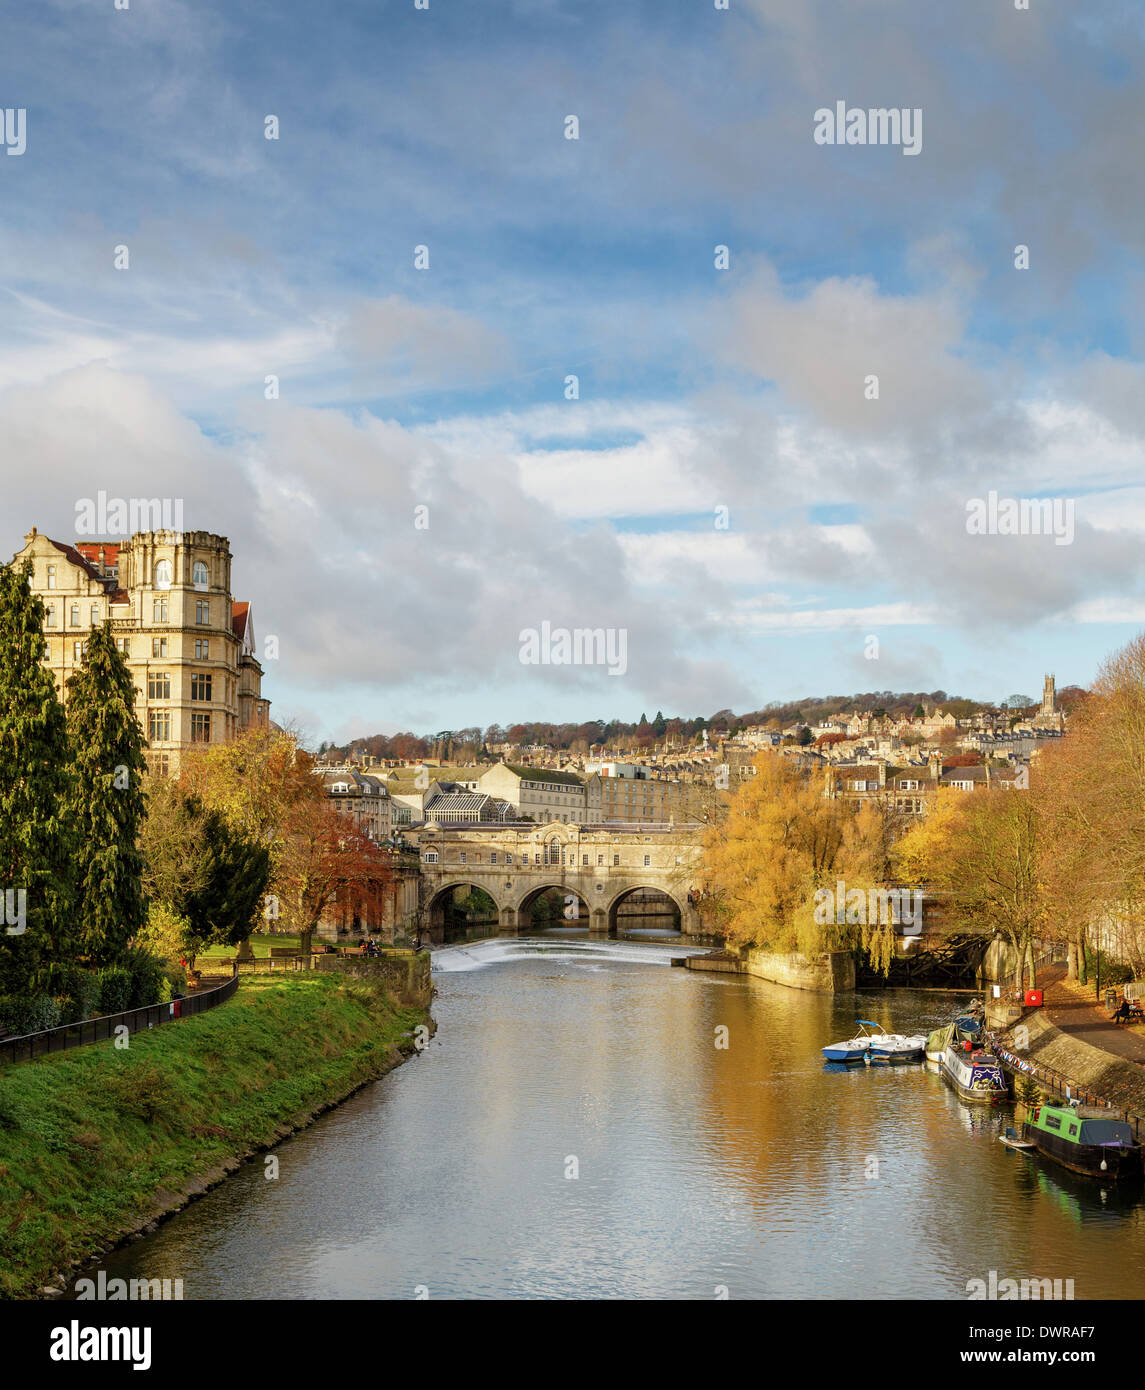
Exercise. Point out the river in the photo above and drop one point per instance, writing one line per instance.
(574, 1131)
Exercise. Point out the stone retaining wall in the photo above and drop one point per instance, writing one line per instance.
(1114, 1079)
(832, 973)
(407, 978)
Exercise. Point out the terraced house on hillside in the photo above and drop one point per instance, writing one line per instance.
(189, 645)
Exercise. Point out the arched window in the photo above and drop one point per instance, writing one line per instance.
(199, 575)
(163, 574)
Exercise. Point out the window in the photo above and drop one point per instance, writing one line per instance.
(200, 728)
(79, 651)
(600, 859)
(200, 687)
(94, 614)
(163, 574)
(536, 858)
(858, 786)
(908, 784)
(509, 859)
(202, 649)
(51, 576)
(584, 861)
(616, 861)
(1054, 1121)
(493, 857)
(50, 617)
(158, 765)
(199, 575)
(75, 615)
(159, 726)
(430, 856)
(338, 789)
(123, 646)
(462, 856)
(159, 610)
(202, 611)
(158, 646)
(159, 685)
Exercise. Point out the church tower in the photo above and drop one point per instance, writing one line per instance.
(1049, 697)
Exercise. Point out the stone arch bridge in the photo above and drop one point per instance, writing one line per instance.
(600, 865)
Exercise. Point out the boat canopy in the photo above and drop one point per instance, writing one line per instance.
(1105, 1132)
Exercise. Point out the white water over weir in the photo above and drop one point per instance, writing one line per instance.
(475, 955)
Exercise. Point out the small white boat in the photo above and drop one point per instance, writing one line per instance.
(898, 1047)
(854, 1049)
(1012, 1141)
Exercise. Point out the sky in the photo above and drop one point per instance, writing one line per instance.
(409, 480)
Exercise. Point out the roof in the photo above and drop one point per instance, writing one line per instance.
(362, 783)
(542, 774)
(80, 561)
(240, 613)
(90, 550)
(458, 801)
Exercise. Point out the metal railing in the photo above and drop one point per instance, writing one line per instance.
(28, 1046)
(1059, 1084)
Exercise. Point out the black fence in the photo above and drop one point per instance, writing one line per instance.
(32, 1045)
(1053, 1081)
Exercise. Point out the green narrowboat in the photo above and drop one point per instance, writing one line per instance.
(1086, 1141)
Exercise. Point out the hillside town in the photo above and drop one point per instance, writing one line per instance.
(858, 755)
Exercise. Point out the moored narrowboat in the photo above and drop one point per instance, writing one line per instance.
(938, 1041)
(976, 1076)
(1088, 1141)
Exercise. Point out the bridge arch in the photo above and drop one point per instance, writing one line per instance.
(576, 909)
(669, 895)
(437, 908)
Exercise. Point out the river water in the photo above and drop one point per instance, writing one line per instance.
(574, 1131)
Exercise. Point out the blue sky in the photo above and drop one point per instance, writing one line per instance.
(699, 389)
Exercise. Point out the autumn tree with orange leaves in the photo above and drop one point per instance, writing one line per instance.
(264, 784)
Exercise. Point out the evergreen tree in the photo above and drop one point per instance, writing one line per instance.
(107, 804)
(35, 836)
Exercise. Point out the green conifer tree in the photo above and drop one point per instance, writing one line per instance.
(108, 803)
(35, 835)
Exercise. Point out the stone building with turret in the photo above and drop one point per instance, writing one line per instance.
(189, 645)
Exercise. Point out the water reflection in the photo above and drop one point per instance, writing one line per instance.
(752, 1165)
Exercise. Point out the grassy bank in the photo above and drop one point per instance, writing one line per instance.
(97, 1142)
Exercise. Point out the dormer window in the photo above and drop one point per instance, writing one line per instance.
(199, 575)
(163, 574)
(341, 789)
